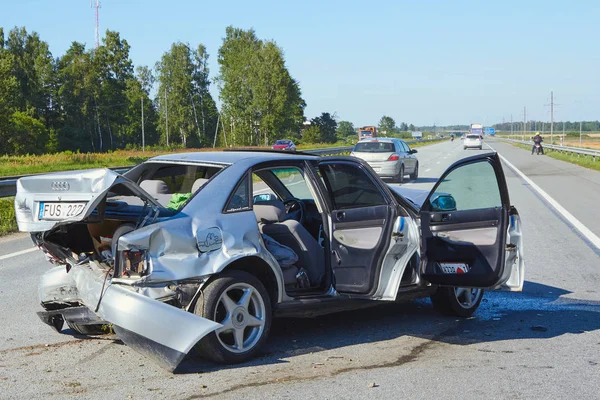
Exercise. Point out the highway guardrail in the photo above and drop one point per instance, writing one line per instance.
(564, 149)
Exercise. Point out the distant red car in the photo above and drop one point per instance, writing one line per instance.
(284, 144)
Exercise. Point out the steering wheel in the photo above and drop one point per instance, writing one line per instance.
(294, 209)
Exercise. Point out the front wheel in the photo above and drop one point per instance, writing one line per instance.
(238, 301)
(456, 301)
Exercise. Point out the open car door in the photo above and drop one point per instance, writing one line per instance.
(471, 236)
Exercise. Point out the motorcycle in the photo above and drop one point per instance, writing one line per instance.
(452, 138)
(538, 149)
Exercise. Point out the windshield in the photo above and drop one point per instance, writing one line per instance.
(282, 142)
(374, 147)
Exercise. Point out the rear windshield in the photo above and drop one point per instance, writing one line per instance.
(472, 136)
(374, 147)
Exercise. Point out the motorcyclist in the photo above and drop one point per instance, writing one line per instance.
(537, 139)
(451, 138)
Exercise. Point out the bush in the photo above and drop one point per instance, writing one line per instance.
(8, 223)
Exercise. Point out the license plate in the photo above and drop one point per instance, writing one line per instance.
(60, 210)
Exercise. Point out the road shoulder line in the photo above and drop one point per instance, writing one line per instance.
(17, 253)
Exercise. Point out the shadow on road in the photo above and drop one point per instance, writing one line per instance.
(538, 312)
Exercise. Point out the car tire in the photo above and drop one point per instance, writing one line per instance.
(415, 175)
(95, 329)
(464, 148)
(455, 301)
(222, 300)
(400, 177)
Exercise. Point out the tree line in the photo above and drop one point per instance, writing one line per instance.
(93, 100)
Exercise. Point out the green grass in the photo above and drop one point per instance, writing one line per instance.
(8, 224)
(581, 160)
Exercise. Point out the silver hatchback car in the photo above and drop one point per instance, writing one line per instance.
(389, 158)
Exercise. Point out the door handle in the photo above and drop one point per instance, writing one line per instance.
(340, 215)
(441, 217)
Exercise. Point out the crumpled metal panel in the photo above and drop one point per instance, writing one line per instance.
(139, 316)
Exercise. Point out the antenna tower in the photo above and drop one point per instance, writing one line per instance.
(96, 6)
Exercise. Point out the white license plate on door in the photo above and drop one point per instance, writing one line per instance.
(50, 210)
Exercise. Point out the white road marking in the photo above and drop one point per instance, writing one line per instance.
(437, 162)
(589, 235)
(428, 169)
(17, 253)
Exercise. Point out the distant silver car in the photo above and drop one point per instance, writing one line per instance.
(473, 142)
(389, 157)
(200, 250)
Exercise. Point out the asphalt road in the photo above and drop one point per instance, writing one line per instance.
(542, 343)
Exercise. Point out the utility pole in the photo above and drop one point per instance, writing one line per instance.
(167, 116)
(97, 21)
(551, 116)
(524, 121)
(579, 133)
(511, 125)
(143, 137)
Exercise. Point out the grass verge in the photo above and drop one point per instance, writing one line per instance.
(581, 160)
(8, 224)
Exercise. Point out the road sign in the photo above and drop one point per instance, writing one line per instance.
(490, 131)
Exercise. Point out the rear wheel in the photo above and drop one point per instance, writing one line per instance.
(238, 301)
(415, 173)
(455, 301)
(400, 177)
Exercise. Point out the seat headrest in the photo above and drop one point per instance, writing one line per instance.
(155, 186)
(198, 183)
(269, 213)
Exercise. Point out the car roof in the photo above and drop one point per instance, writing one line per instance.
(378, 139)
(231, 157)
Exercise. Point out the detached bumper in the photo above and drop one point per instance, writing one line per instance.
(155, 329)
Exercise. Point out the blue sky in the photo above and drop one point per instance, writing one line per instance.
(421, 62)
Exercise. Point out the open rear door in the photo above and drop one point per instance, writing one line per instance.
(470, 234)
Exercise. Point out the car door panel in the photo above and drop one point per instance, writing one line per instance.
(361, 218)
(466, 223)
(356, 246)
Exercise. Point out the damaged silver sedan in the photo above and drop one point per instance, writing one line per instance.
(199, 251)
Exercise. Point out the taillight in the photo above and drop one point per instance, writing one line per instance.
(394, 157)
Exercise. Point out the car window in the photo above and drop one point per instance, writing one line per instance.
(349, 186)
(294, 182)
(473, 186)
(179, 178)
(239, 199)
(259, 187)
(374, 147)
(406, 146)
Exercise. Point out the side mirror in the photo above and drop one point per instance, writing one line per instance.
(442, 202)
(259, 198)
(413, 151)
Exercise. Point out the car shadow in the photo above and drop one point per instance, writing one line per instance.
(539, 312)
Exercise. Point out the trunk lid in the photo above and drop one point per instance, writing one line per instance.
(45, 201)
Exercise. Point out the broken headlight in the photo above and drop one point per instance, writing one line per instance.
(132, 263)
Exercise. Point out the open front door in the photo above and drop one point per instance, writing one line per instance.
(470, 234)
